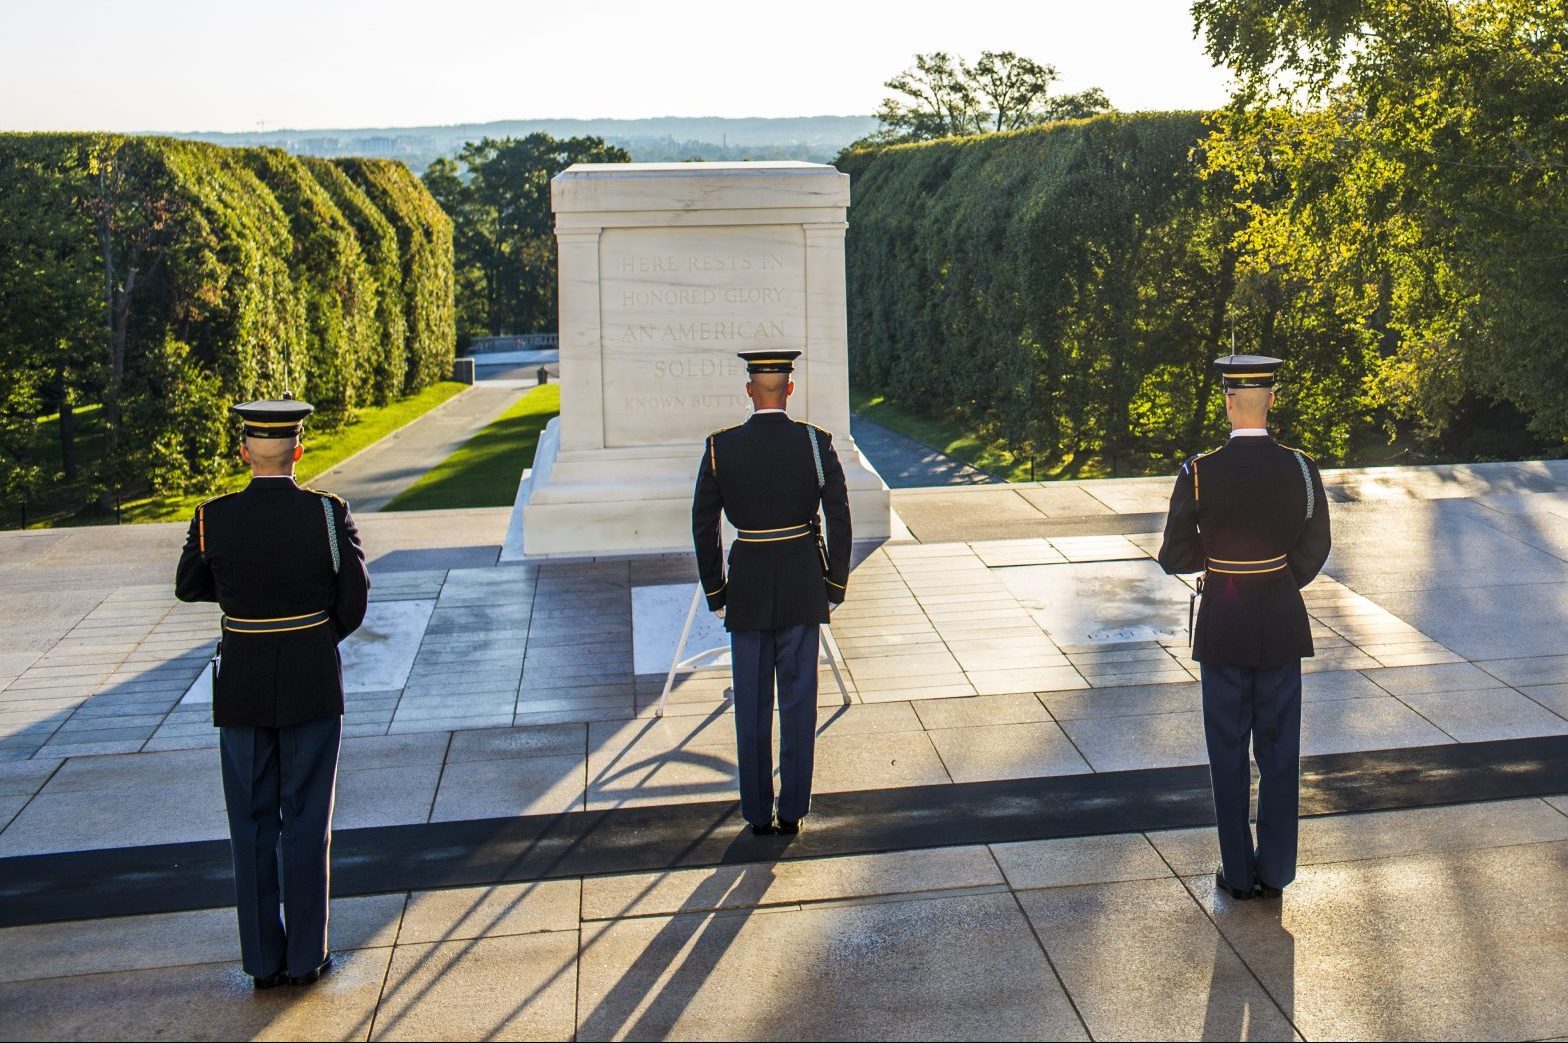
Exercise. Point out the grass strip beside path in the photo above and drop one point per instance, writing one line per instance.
(952, 434)
(322, 452)
(943, 433)
(484, 471)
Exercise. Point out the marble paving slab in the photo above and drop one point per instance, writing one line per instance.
(658, 614)
(376, 658)
(379, 655)
(1101, 602)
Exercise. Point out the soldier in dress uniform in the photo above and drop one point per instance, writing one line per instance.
(285, 564)
(1252, 516)
(769, 476)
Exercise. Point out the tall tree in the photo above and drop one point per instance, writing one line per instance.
(940, 96)
(133, 210)
(444, 179)
(937, 101)
(503, 233)
(51, 333)
(1415, 149)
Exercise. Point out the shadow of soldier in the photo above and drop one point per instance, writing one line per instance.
(649, 997)
(1233, 1015)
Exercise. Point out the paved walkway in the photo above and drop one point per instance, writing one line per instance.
(370, 479)
(1435, 923)
(1027, 635)
(905, 463)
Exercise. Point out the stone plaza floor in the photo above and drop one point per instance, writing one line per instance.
(1019, 636)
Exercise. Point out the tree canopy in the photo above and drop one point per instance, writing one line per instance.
(1415, 150)
(940, 96)
(1382, 204)
(497, 192)
(149, 283)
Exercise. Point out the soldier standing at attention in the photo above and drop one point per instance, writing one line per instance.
(286, 565)
(1252, 516)
(769, 476)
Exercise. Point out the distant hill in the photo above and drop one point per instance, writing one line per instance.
(667, 138)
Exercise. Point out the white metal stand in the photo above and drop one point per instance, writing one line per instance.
(677, 664)
(830, 646)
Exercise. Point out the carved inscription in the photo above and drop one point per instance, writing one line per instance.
(675, 307)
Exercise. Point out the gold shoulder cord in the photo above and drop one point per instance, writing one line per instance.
(201, 522)
(1193, 463)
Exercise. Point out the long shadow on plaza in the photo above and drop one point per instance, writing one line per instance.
(389, 859)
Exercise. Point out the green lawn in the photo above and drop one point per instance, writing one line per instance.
(484, 471)
(953, 434)
(322, 452)
(57, 496)
(945, 433)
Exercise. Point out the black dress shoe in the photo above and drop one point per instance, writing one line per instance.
(311, 977)
(1240, 894)
(1269, 891)
(762, 831)
(789, 828)
(269, 981)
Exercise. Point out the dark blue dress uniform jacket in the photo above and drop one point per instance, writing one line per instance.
(1247, 501)
(264, 553)
(762, 476)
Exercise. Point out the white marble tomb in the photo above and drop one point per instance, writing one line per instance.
(666, 271)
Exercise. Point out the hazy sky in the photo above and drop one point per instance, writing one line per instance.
(248, 64)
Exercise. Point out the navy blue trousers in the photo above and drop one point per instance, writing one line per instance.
(278, 784)
(760, 657)
(1260, 706)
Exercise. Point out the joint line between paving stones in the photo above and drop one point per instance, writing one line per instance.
(446, 575)
(48, 779)
(1107, 506)
(1035, 932)
(522, 667)
(1068, 735)
(577, 977)
(174, 707)
(386, 973)
(935, 748)
(1410, 854)
(1511, 535)
(48, 738)
(1424, 717)
(1517, 690)
(1537, 702)
(446, 754)
(844, 901)
(1367, 673)
(1192, 896)
(1489, 673)
(1213, 923)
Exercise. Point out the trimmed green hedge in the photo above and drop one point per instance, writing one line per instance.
(198, 276)
(1065, 286)
(378, 245)
(332, 281)
(424, 238)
